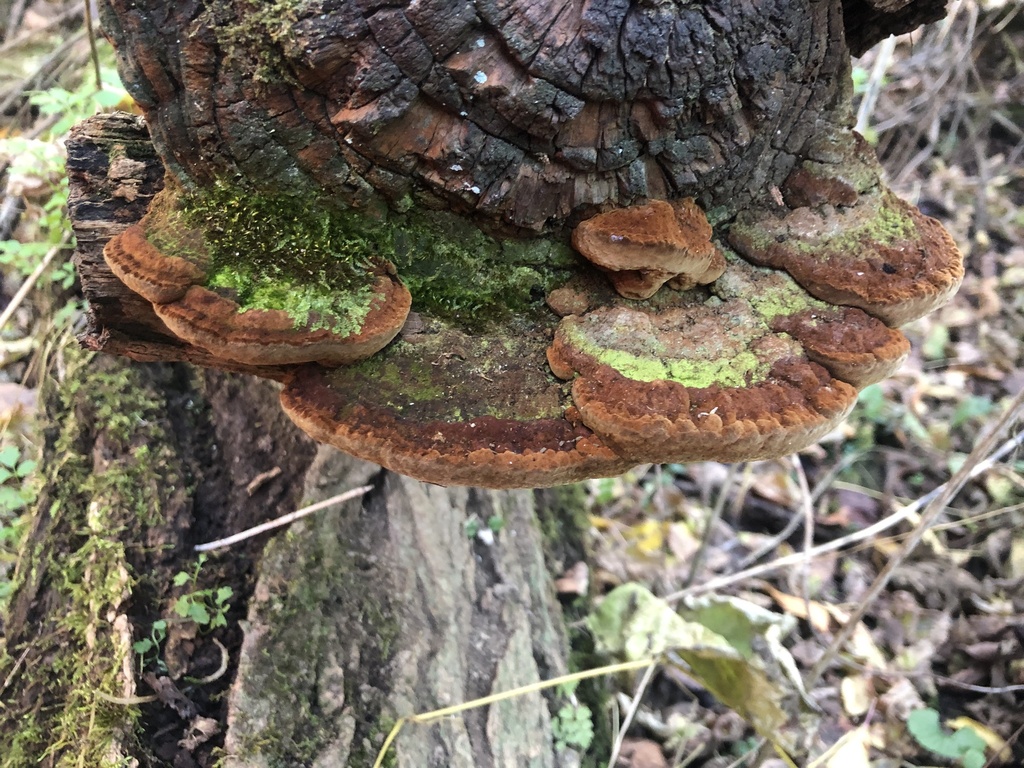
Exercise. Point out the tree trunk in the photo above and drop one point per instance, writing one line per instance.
(375, 609)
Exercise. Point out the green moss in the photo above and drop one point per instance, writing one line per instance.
(286, 726)
(401, 378)
(737, 370)
(769, 292)
(458, 273)
(248, 33)
(276, 251)
(94, 489)
(886, 225)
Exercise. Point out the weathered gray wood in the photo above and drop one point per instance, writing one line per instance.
(385, 608)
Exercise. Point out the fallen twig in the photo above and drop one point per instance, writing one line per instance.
(291, 517)
(884, 524)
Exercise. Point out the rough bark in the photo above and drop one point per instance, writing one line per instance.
(376, 609)
(521, 116)
(869, 21)
(518, 115)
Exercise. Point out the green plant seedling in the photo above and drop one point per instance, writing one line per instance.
(206, 607)
(151, 645)
(15, 471)
(573, 727)
(964, 745)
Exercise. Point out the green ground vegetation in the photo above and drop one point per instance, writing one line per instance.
(101, 477)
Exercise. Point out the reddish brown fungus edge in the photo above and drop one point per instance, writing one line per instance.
(896, 281)
(642, 247)
(147, 271)
(664, 421)
(218, 325)
(449, 453)
(851, 344)
(270, 337)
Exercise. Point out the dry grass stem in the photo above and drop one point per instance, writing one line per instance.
(934, 508)
(291, 517)
(631, 711)
(865, 533)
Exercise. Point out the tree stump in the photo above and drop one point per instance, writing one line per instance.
(378, 608)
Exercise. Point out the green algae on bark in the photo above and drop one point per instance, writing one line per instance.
(716, 343)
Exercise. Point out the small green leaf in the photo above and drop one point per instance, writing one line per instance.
(11, 499)
(223, 595)
(181, 578)
(198, 613)
(107, 98)
(924, 726)
(26, 468)
(142, 646)
(182, 606)
(574, 727)
(9, 456)
(974, 758)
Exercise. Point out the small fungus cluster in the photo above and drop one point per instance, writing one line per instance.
(680, 346)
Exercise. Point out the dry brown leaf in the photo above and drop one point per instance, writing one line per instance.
(813, 611)
(857, 691)
(641, 753)
(575, 581)
(16, 401)
(774, 483)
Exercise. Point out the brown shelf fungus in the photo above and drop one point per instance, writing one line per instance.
(452, 162)
(195, 307)
(447, 407)
(645, 246)
(850, 241)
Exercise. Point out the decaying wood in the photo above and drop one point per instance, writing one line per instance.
(522, 116)
(377, 609)
(114, 173)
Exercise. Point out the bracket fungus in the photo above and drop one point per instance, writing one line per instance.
(724, 357)
(745, 361)
(463, 153)
(198, 311)
(642, 247)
